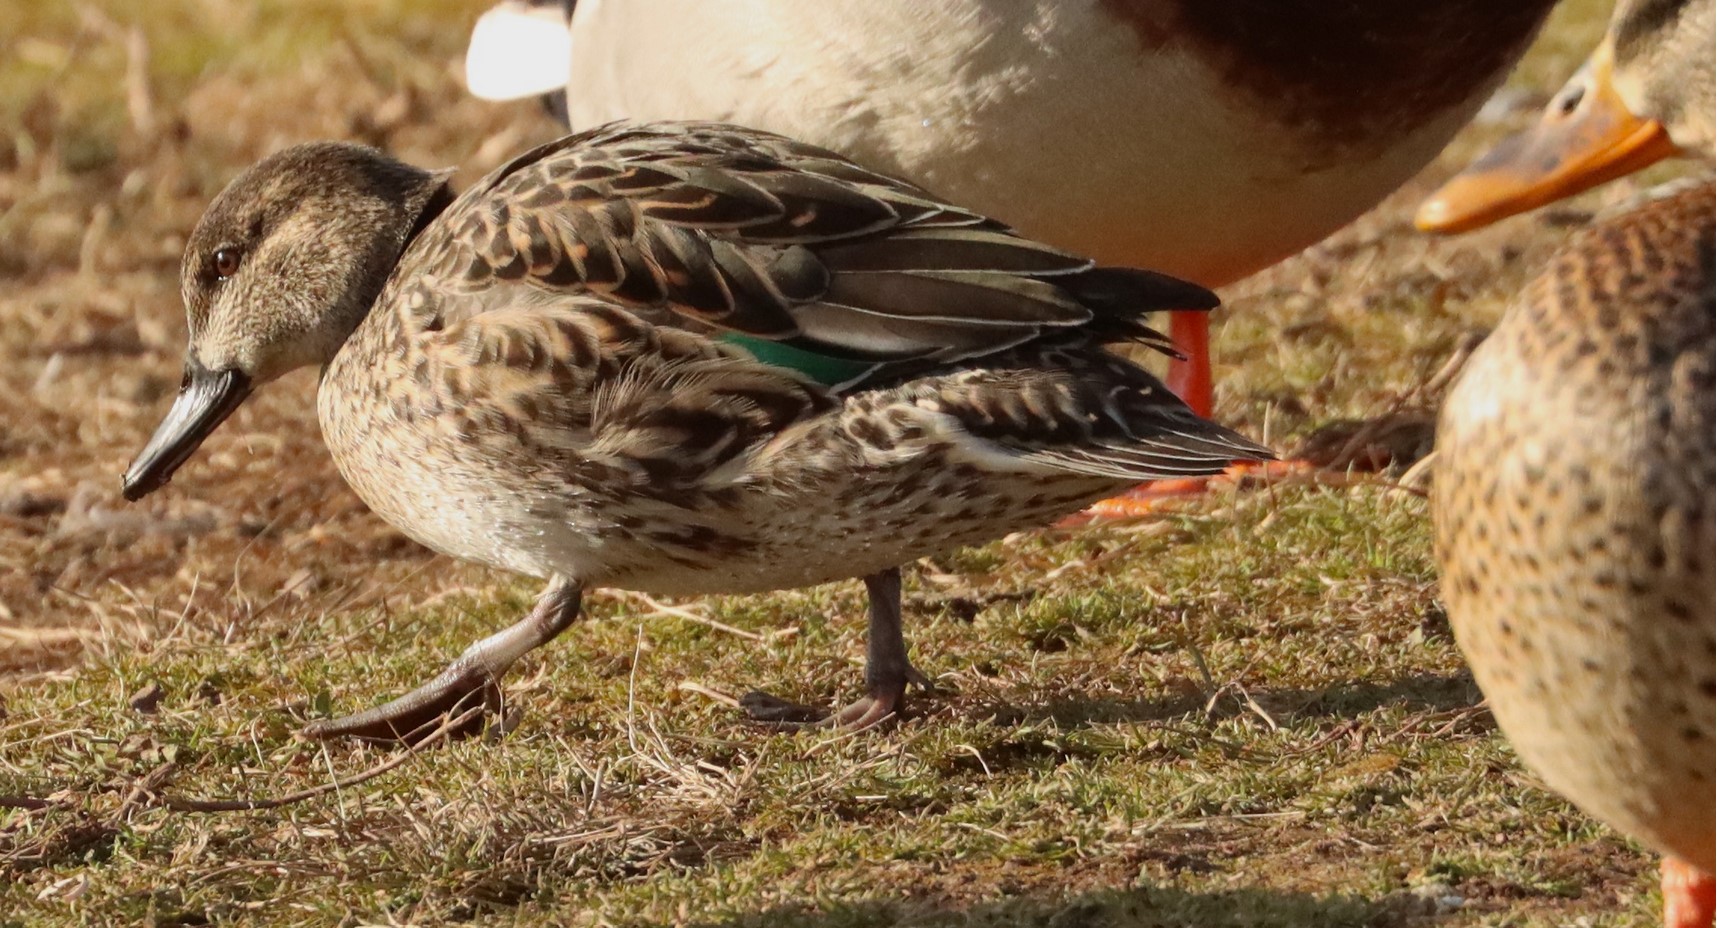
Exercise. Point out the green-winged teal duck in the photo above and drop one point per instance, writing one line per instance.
(676, 358)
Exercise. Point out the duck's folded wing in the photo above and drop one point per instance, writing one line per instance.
(773, 241)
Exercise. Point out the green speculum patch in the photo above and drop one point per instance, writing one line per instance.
(822, 368)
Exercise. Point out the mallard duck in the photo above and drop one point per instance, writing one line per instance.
(1644, 95)
(675, 358)
(1573, 510)
(1574, 464)
(1203, 139)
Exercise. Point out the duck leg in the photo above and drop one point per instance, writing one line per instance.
(1191, 379)
(471, 680)
(887, 671)
(1687, 895)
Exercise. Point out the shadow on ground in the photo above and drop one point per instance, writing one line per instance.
(1137, 907)
(1414, 692)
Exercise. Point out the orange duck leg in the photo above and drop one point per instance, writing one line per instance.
(1190, 378)
(1687, 895)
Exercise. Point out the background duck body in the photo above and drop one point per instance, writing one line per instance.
(1154, 134)
(1207, 140)
(1574, 459)
(1574, 523)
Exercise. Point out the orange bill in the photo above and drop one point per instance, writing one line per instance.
(1586, 136)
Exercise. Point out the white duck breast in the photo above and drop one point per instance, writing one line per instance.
(1157, 155)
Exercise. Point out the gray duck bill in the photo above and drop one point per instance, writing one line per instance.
(205, 400)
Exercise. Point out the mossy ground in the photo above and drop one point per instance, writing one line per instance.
(1247, 711)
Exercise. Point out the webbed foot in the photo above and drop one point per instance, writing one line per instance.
(469, 683)
(887, 673)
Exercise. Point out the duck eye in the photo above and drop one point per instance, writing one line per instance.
(226, 262)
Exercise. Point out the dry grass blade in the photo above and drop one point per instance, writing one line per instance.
(658, 608)
(434, 738)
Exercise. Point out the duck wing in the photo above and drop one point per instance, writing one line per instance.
(797, 255)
